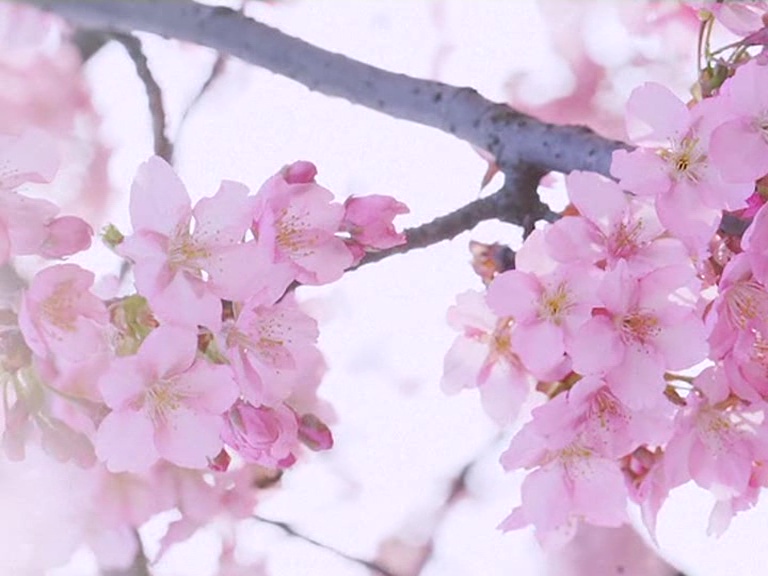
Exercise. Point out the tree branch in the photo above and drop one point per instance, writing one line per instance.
(161, 144)
(510, 136)
(291, 531)
(515, 202)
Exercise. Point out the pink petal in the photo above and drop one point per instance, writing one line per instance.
(159, 201)
(224, 218)
(189, 439)
(462, 364)
(124, 441)
(597, 347)
(516, 294)
(123, 382)
(209, 388)
(739, 151)
(540, 346)
(168, 351)
(187, 302)
(655, 114)
(597, 198)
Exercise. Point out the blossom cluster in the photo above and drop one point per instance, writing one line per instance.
(639, 319)
(202, 377)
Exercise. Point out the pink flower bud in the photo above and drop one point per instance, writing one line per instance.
(314, 434)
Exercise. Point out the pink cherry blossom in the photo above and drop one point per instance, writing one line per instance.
(368, 220)
(262, 435)
(641, 332)
(165, 404)
(482, 356)
(612, 227)
(548, 312)
(675, 168)
(739, 146)
(61, 317)
(573, 480)
(184, 273)
(716, 443)
(267, 343)
(296, 221)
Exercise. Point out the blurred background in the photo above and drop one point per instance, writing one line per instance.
(413, 480)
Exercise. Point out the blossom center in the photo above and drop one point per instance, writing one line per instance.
(555, 304)
(685, 159)
(625, 239)
(59, 308)
(639, 327)
(162, 398)
(184, 252)
(745, 302)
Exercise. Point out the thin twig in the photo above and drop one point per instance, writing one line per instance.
(516, 202)
(510, 136)
(457, 490)
(162, 145)
(291, 531)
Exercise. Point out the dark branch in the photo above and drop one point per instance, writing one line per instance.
(516, 202)
(162, 145)
(510, 136)
(88, 42)
(291, 531)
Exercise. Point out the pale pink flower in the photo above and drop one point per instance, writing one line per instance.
(641, 331)
(482, 357)
(184, 273)
(715, 443)
(674, 166)
(608, 425)
(647, 483)
(572, 482)
(44, 86)
(612, 227)
(742, 305)
(739, 146)
(296, 222)
(266, 344)
(120, 504)
(204, 498)
(28, 225)
(165, 404)
(60, 316)
(548, 312)
(262, 435)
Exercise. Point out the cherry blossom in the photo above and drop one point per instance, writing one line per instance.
(482, 356)
(184, 273)
(296, 220)
(368, 220)
(613, 227)
(676, 170)
(548, 312)
(60, 316)
(165, 404)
